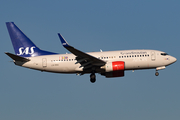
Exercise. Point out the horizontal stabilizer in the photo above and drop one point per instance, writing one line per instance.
(17, 58)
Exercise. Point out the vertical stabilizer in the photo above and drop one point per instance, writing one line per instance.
(23, 46)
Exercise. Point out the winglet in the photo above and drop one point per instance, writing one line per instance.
(63, 41)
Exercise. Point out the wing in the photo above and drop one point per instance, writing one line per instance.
(86, 60)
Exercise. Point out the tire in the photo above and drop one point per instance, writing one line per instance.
(93, 78)
(156, 73)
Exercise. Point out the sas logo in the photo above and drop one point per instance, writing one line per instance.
(64, 44)
(26, 50)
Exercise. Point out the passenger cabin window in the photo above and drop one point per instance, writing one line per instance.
(164, 54)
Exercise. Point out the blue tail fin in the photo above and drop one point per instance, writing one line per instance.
(23, 46)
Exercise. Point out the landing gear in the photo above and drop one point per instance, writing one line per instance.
(93, 77)
(156, 73)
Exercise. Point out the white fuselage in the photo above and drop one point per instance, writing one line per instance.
(133, 59)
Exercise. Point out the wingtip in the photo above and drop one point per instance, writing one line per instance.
(59, 34)
(63, 41)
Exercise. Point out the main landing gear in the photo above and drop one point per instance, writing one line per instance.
(93, 77)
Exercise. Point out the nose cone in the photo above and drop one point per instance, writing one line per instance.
(173, 59)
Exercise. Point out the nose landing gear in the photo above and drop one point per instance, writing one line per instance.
(156, 73)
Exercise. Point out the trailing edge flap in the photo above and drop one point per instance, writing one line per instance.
(17, 58)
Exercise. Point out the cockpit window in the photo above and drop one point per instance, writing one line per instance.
(164, 54)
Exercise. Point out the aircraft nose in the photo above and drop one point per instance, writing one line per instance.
(173, 59)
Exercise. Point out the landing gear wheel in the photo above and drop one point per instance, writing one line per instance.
(156, 73)
(93, 78)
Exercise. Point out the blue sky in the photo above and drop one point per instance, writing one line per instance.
(90, 26)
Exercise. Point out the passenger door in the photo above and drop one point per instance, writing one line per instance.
(44, 62)
(153, 56)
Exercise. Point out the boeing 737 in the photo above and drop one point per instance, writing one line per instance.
(107, 63)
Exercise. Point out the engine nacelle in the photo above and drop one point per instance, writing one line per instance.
(114, 66)
(114, 74)
(114, 69)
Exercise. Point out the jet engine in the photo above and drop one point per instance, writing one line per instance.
(114, 69)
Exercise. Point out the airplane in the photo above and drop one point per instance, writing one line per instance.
(107, 63)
